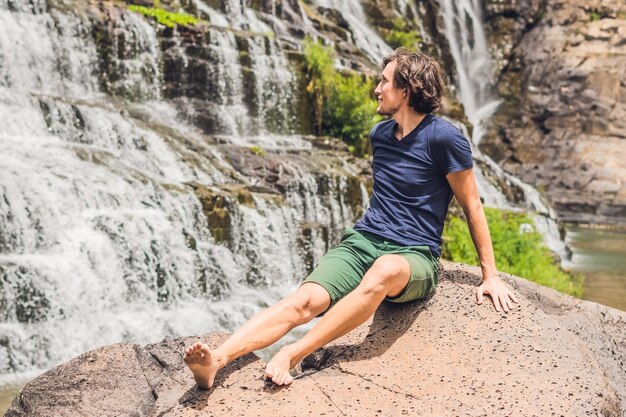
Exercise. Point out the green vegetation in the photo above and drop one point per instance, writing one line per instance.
(593, 16)
(597, 13)
(517, 252)
(540, 14)
(343, 106)
(169, 19)
(541, 188)
(351, 112)
(257, 150)
(320, 72)
(402, 35)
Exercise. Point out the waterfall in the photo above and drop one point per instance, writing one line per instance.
(468, 46)
(119, 221)
(34, 55)
(254, 78)
(362, 34)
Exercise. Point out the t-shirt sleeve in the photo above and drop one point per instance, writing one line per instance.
(373, 132)
(450, 150)
(373, 138)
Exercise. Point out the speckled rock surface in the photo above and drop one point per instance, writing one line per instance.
(440, 357)
(601, 328)
(451, 357)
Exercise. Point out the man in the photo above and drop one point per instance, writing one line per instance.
(419, 161)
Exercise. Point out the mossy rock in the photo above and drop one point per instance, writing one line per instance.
(217, 207)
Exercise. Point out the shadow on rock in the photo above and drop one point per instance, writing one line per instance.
(458, 275)
(390, 322)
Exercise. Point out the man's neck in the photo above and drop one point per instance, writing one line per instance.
(407, 119)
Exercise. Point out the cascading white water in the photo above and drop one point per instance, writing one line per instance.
(274, 82)
(363, 35)
(102, 237)
(463, 28)
(33, 39)
(468, 46)
(139, 72)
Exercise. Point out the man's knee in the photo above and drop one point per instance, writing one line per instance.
(306, 303)
(387, 272)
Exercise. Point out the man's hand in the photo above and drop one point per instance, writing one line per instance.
(500, 294)
(463, 185)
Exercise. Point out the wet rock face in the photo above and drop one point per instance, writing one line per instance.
(506, 22)
(440, 356)
(206, 67)
(21, 299)
(562, 124)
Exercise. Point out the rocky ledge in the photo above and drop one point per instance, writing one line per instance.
(554, 355)
(562, 123)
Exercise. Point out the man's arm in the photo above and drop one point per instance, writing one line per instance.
(463, 185)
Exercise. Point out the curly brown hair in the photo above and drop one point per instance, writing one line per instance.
(419, 74)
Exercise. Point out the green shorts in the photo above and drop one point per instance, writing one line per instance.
(342, 268)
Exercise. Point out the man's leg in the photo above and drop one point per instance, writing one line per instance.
(388, 276)
(260, 331)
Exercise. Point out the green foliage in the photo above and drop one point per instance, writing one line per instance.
(541, 188)
(593, 16)
(169, 19)
(342, 103)
(541, 13)
(597, 13)
(351, 112)
(403, 35)
(320, 72)
(517, 253)
(257, 150)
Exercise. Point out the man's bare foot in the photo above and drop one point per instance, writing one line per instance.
(279, 366)
(202, 363)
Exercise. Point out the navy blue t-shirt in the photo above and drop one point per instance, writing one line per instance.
(411, 194)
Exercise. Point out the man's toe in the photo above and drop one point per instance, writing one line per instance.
(278, 378)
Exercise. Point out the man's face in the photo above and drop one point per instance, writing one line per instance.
(390, 98)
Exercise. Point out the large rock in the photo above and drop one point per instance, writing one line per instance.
(552, 355)
(601, 328)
